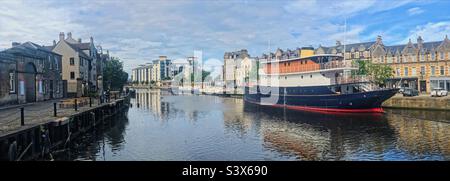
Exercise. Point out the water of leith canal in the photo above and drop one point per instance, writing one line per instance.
(189, 127)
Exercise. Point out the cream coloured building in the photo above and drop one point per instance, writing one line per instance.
(75, 66)
(243, 71)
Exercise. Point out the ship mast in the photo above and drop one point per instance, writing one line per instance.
(345, 36)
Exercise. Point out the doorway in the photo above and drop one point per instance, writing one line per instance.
(423, 85)
(30, 82)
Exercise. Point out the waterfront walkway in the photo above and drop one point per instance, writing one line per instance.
(36, 113)
(423, 101)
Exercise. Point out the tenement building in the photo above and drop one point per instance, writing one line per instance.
(29, 73)
(420, 65)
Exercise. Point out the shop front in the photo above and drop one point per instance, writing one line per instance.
(440, 82)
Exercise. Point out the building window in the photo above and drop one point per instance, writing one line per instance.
(433, 56)
(441, 55)
(413, 71)
(422, 70)
(442, 70)
(12, 82)
(406, 71)
(72, 75)
(50, 62)
(422, 57)
(433, 70)
(56, 63)
(81, 62)
(398, 72)
(72, 61)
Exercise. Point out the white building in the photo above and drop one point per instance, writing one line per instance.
(232, 61)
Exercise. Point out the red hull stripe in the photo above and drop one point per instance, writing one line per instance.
(317, 109)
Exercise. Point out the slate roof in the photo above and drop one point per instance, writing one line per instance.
(79, 50)
(30, 49)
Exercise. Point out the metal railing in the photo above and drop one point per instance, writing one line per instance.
(338, 64)
(352, 79)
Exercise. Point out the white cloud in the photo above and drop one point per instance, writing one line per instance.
(432, 31)
(33, 21)
(318, 9)
(415, 11)
(140, 31)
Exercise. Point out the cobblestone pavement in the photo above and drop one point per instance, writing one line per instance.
(36, 113)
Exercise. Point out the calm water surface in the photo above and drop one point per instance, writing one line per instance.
(187, 127)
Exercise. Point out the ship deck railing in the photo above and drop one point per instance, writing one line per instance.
(352, 80)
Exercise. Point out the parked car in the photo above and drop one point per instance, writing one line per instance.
(439, 92)
(409, 92)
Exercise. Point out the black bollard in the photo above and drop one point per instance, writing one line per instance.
(22, 119)
(76, 105)
(90, 101)
(54, 109)
(138, 104)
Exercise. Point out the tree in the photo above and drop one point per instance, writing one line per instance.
(378, 73)
(114, 77)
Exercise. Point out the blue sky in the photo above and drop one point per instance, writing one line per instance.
(138, 31)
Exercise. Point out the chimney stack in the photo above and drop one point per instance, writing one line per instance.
(54, 42)
(79, 40)
(61, 36)
(92, 40)
(379, 40)
(69, 35)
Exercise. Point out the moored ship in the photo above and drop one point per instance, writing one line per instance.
(315, 83)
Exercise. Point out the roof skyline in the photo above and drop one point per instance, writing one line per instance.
(139, 31)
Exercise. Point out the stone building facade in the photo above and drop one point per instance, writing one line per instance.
(35, 77)
(232, 60)
(422, 65)
(76, 65)
(8, 90)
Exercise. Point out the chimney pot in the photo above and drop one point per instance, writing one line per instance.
(54, 42)
(61, 36)
(92, 40)
(69, 35)
(79, 40)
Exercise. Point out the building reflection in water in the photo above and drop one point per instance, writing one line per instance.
(315, 136)
(422, 137)
(217, 128)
